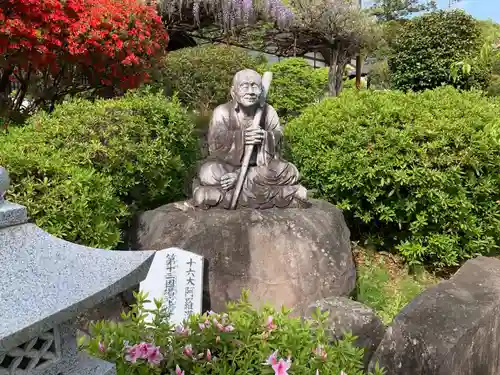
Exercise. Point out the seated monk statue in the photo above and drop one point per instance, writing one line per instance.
(270, 181)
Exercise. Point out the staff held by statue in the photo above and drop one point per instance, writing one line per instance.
(266, 84)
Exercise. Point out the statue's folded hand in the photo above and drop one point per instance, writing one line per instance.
(254, 136)
(228, 180)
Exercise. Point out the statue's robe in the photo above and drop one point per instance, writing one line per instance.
(270, 180)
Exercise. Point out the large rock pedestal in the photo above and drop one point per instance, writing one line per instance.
(289, 257)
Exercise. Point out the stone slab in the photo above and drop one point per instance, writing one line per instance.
(176, 277)
(452, 328)
(12, 214)
(46, 281)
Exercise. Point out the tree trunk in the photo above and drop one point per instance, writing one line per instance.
(338, 63)
(332, 71)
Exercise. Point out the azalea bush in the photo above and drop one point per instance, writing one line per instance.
(414, 172)
(53, 48)
(242, 341)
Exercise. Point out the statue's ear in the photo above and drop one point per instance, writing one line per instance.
(233, 94)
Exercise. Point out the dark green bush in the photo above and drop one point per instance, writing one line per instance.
(494, 87)
(201, 76)
(77, 204)
(295, 86)
(138, 150)
(145, 143)
(427, 46)
(418, 172)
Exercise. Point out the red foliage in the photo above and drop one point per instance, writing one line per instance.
(109, 42)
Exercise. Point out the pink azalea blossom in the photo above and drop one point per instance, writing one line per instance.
(178, 370)
(102, 348)
(182, 330)
(155, 356)
(220, 327)
(188, 350)
(320, 352)
(145, 351)
(202, 326)
(229, 328)
(281, 368)
(270, 324)
(272, 359)
(209, 355)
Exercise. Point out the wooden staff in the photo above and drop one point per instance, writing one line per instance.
(266, 83)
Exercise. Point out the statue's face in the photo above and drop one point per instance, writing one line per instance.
(247, 88)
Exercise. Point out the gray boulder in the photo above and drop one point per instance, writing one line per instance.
(289, 257)
(452, 328)
(346, 315)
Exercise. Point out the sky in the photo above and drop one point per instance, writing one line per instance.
(481, 9)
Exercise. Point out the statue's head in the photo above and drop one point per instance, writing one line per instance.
(247, 88)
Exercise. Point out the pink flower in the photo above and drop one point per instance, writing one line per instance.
(143, 351)
(281, 368)
(270, 324)
(102, 348)
(181, 330)
(272, 359)
(320, 352)
(209, 355)
(155, 356)
(132, 354)
(220, 327)
(202, 326)
(178, 370)
(188, 350)
(229, 328)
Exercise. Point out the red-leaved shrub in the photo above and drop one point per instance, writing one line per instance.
(51, 48)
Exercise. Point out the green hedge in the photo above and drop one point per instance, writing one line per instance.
(100, 161)
(427, 46)
(418, 172)
(295, 86)
(202, 76)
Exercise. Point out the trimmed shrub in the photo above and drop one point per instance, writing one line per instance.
(242, 341)
(145, 143)
(418, 172)
(201, 76)
(77, 204)
(427, 47)
(295, 86)
(142, 147)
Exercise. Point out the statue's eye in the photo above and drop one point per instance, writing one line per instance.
(244, 85)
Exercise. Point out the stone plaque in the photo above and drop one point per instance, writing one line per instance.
(176, 277)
